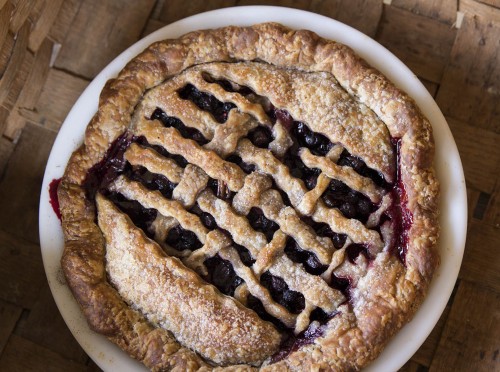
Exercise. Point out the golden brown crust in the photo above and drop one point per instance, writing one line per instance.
(386, 295)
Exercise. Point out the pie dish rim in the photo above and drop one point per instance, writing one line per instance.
(144, 43)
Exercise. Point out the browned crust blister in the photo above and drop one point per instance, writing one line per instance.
(384, 299)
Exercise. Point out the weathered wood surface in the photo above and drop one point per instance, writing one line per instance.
(51, 49)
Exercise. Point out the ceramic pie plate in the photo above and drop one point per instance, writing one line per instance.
(453, 202)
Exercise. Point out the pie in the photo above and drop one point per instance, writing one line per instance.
(251, 197)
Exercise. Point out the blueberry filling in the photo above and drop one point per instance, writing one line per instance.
(220, 189)
(351, 203)
(299, 170)
(152, 181)
(307, 259)
(232, 87)
(182, 239)
(185, 131)
(316, 142)
(207, 102)
(244, 254)
(348, 160)
(208, 220)
(256, 305)
(323, 229)
(259, 222)
(341, 284)
(222, 275)
(277, 287)
(140, 216)
(293, 343)
(282, 115)
(103, 173)
(247, 168)
(354, 250)
(260, 136)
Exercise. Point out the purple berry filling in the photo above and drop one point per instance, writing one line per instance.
(307, 259)
(207, 102)
(277, 287)
(259, 222)
(185, 131)
(222, 275)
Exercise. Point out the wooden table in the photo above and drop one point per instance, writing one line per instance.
(51, 49)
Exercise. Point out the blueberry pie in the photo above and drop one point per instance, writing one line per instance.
(251, 197)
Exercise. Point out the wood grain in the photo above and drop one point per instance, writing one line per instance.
(100, 31)
(58, 95)
(426, 51)
(9, 315)
(363, 15)
(20, 187)
(21, 270)
(30, 92)
(442, 10)
(15, 60)
(21, 355)
(470, 88)
(470, 339)
(475, 8)
(478, 168)
(482, 255)
(45, 327)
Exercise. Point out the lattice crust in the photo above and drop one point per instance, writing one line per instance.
(177, 140)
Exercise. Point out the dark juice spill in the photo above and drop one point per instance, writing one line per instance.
(54, 200)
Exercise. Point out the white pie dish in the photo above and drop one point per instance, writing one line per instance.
(448, 165)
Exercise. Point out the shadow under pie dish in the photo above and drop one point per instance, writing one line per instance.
(251, 196)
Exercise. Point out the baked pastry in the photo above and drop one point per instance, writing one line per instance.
(251, 197)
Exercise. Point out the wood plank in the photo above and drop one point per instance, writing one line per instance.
(5, 14)
(151, 26)
(472, 201)
(481, 172)
(6, 148)
(64, 20)
(6, 51)
(363, 15)
(43, 24)
(431, 87)
(482, 255)
(470, 339)
(45, 327)
(411, 366)
(474, 8)
(492, 215)
(58, 95)
(173, 10)
(495, 3)
(100, 31)
(442, 10)
(9, 315)
(423, 44)
(470, 88)
(21, 270)
(20, 187)
(21, 355)
(20, 77)
(16, 59)
(30, 91)
(20, 15)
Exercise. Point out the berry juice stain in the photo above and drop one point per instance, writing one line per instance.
(53, 199)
